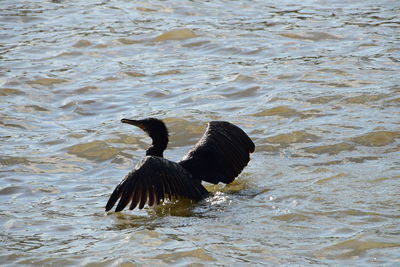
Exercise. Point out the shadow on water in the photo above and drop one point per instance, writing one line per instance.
(221, 197)
(151, 218)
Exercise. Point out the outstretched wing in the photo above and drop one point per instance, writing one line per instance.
(220, 155)
(153, 180)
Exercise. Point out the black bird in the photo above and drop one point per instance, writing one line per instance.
(219, 156)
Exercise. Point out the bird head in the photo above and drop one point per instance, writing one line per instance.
(151, 126)
(157, 131)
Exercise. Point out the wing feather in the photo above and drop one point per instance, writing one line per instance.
(136, 195)
(126, 195)
(220, 155)
(114, 196)
(153, 180)
(143, 197)
(151, 195)
(168, 190)
(160, 191)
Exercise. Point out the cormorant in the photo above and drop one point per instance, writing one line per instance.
(219, 156)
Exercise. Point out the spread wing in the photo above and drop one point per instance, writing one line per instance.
(153, 180)
(220, 155)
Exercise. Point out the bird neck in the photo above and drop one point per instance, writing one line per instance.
(158, 146)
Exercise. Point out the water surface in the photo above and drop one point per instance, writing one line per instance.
(315, 84)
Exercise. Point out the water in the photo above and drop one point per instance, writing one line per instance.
(315, 84)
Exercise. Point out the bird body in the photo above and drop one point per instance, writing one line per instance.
(219, 156)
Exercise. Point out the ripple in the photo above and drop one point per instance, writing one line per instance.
(17, 126)
(134, 74)
(293, 217)
(31, 109)
(285, 140)
(126, 41)
(324, 99)
(168, 72)
(288, 112)
(361, 159)
(47, 81)
(196, 43)
(48, 189)
(330, 149)
(10, 190)
(241, 93)
(173, 258)
(86, 89)
(353, 248)
(95, 150)
(66, 54)
(312, 36)
(177, 34)
(241, 78)
(378, 138)
(363, 99)
(6, 161)
(283, 111)
(334, 71)
(331, 178)
(10, 92)
(82, 44)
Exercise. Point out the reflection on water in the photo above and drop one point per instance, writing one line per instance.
(314, 84)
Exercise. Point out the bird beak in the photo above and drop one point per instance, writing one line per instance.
(136, 123)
